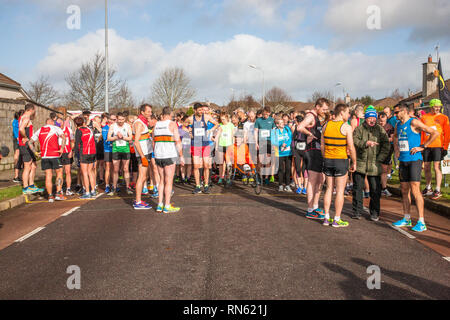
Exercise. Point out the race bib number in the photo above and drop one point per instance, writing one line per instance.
(121, 143)
(247, 167)
(403, 146)
(225, 135)
(186, 141)
(300, 146)
(199, 132)
(265, 133)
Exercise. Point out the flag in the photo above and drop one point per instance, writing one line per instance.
(444, 93)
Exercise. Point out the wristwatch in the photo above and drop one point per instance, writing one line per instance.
(422, 146)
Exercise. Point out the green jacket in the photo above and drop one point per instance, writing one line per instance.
(369, 159)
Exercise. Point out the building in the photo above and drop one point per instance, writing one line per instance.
(12, 99)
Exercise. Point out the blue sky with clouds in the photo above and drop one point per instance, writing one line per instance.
(302, 45)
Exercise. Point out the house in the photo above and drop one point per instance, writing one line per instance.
(12, 99)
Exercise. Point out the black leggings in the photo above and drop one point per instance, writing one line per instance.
(299, 159)
(284, 170)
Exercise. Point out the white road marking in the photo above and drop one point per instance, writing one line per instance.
(447, 258)
(29, 234)
(402, 231)
(99, 195)
(70, 211)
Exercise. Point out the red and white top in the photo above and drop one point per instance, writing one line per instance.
(48, 137)
(69, 138)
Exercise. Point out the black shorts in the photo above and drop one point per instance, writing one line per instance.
(432, 154)
(88, 158)
(410, 171)
(335, 167)
(26, 154)
(100, 150)
(165, 162)
(265, 147)
(121, 156)
(65, 160)
(299, 161)
(15, 144)
(107, 157)
(388, 160)
(148, 156)
(314, 160)
(134, 166)
(51, 164)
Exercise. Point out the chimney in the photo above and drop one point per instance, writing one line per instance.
(347, 99)
(429, 82)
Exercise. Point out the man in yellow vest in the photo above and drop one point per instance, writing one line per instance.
(337, 143)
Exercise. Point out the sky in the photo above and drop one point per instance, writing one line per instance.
(369, 46)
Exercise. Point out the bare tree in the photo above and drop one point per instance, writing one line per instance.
(42, 91)
(123, 98)
(172, 88)
(321, 94)
(87, 85)
(397, 95)
(277, 96)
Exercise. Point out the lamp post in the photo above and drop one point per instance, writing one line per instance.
(264, 84)
(334, 91)
(106, 59)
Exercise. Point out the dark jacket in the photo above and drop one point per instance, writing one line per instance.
(369, 159)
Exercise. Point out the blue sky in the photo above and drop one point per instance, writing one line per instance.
(302, 45)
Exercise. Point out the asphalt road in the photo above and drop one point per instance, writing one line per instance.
(227, 245)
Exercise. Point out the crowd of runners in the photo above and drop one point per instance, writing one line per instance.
(350, 152)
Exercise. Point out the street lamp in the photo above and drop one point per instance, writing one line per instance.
(334, 91)
(106, 59)
(264, 84)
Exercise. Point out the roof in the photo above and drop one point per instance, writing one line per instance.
(385, 102)
(418, 95)
(8, 81)
(301, 106)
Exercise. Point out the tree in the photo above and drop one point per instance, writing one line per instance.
(321, 94)
(172, 88)
(42, 91)
(123, 99)
(396, 95)
(277, 96)
(245, 102)
(87, 85)
(366, 100)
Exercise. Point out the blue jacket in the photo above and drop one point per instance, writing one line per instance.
(279, 138)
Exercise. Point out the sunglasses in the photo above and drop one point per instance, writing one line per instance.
(113, 119)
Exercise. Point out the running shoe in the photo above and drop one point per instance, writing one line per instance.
(69, 192)
(160, 208)
(292, 185)
(111, 192)
(280, 188)
(94, 194)
(34, 189)
(288, 189)
(129, 190)
(339, 224)
(197, 190)
(27, 191)
(299, 190)
(304, 191)
(374, 217)
(86, 196)
(436, 195)
(419, 227)
(82, 192)
(51, 199)
(251, 180)
(60, 197)
(151, 188)
(144, 191)
(117, 190)
(177, 179)
(155, 194)
(220, 181)
(206, 189)
(170, 209)
(272, 179)
(107, 189)
(403, 223)
(327, 222)
(386, 193)
(244, 179)
(366, 194)
(17, 180)
(316, 214)
(427, 192)
(141, 206)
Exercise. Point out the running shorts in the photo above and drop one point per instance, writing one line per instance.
(432, 154)
(165, 162)
(51, 164)
(107, 156)
(410, 171)
(201, 151)
(88, 158)
(121, 156)
(65, 160)
(314, 160)
(335, 167)
(27, 154)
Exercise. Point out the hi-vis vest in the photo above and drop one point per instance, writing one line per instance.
(335, 141)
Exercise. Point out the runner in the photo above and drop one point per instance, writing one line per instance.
(134, 166)
(167, 149)
(312, 128)
(249, 136)
(225, 137)
(408, 150)
(28, 156)
(85, 153)
(298, 148)
(100, 156)
(185, 136)
(120, 135)
(107, 149)
(144, 150)
(18, 163)
(437, 150)
(263, 128)
(201, 145)
(337, 142)
(51, 150)
(67, 156)
(281, 138)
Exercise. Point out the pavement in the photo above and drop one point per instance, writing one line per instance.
(231, 244)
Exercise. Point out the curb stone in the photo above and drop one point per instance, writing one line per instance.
(17, 201)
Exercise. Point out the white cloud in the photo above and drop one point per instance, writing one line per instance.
(218, 66)
(428, 20)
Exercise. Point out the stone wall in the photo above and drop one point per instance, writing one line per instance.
(7, 109)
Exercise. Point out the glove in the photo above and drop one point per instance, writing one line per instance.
(443, 154)
(144, 162)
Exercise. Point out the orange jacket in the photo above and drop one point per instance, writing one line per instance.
(440, 123)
